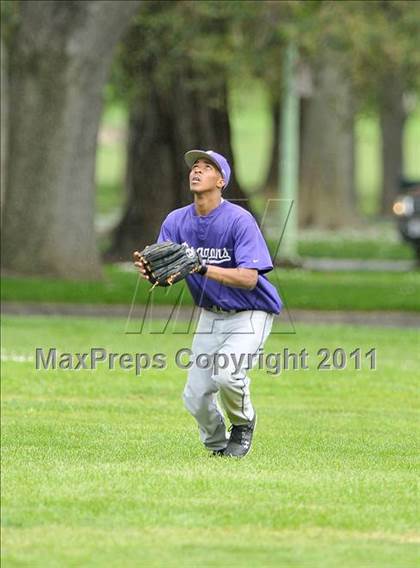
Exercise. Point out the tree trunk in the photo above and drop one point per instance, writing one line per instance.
(60, 57)
(4, 122)
(392, 119)
(150, 176)
(163, 126)
(271, 182)
(327, 195)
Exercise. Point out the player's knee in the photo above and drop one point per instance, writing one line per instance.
(193, 402)
(223, 378)
(227, 379)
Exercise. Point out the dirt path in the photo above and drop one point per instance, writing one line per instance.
(371, 265)
(374, 318)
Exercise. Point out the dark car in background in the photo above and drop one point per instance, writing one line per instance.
(406, 208)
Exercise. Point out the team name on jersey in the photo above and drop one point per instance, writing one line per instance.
(214, 255)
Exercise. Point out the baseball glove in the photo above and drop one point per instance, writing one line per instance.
(168, 262)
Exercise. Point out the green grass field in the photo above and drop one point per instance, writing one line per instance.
(105, 468)
(361, 248)
(298, 288)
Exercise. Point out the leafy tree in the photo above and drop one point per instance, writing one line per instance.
(174, 68)
(59, 52)
(373, 48)
(386, 67)
(377, 43)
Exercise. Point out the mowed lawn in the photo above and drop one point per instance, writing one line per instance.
(104, 468)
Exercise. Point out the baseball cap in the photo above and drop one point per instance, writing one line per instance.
(217, 159)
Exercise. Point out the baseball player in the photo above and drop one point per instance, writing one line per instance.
(238, 303)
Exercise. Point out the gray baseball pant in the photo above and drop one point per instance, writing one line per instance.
(234, 341)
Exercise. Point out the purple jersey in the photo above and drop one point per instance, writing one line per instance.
(228, 237)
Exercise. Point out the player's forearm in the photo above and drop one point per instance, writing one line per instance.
(245, 278)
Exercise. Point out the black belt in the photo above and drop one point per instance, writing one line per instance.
(219, 310)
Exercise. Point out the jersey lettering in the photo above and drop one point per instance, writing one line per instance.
(214, 255)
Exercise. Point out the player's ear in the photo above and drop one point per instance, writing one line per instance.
(220, 183)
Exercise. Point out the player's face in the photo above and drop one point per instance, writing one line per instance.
(204, 176)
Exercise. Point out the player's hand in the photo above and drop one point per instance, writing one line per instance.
(138, 264)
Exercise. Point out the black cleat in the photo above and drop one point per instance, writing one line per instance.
(240, 439)
(216, 453)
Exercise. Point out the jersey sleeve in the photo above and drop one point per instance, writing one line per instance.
(250, 247)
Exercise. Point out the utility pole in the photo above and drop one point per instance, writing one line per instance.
(289, 160)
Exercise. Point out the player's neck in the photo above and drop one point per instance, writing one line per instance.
(207, 201)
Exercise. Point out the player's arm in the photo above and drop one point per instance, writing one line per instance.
(250, 250)
(245, 278)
